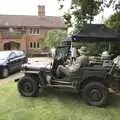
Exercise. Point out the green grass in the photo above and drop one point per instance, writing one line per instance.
(52, 105)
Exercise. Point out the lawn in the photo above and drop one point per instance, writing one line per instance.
(52, 105)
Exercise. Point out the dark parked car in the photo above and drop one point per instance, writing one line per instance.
(11, 61)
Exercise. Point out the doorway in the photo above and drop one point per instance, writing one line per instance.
(11, 46)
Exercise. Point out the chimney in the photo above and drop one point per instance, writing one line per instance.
(41, 10)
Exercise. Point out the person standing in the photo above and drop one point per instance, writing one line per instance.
(53, 52)
(73, 54)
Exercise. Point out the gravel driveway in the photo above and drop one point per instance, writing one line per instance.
(11, 77)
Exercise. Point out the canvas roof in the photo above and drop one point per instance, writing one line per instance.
(96, 32)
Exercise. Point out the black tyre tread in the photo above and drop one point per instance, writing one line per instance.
(35, 85)
(98, 85)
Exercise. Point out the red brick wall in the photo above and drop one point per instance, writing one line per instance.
(25, 40)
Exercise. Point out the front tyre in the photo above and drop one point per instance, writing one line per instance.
(95, 93)
(27, 87)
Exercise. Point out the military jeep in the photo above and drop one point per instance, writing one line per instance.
(92, 81)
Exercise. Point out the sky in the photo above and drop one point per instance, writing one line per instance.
(29, 7)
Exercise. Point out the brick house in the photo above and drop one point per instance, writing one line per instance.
(27, 33)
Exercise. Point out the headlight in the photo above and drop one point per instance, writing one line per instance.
(23, 67)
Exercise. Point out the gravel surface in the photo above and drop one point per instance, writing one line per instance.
(11, 77)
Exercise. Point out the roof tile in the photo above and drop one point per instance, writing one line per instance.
(26, 20)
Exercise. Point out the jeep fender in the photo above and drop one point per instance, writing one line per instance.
(36, 75)
(91, 79)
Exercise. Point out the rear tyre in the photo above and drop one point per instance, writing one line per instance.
(5, 72)
(95, 93)
(28, 87)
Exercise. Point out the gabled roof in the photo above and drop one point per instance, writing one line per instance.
(97, 31)
(26, 20)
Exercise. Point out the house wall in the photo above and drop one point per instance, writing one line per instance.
(26, 39)
(30, 42)
(37, 39)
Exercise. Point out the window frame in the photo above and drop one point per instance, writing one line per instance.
(34, 31)
(34, 45)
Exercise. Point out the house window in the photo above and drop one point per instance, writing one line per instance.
(38, 31)
(31, 30)
(38, 45)
(31, 45)
(35, 44)
(34, 31)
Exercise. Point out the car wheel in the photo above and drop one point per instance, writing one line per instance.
(27, 87)
(5, 72)
(95, 93)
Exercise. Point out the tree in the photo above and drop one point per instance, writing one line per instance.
(83, 11)
(114, 22)
(54, 37)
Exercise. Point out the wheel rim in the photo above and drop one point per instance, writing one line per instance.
(95, 95)
(5, 72)
(27, 87)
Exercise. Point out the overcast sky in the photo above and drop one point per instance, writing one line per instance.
(29, 7)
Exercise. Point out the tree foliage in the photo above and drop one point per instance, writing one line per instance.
(114, 22)
(84, 11)
(54, 37)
